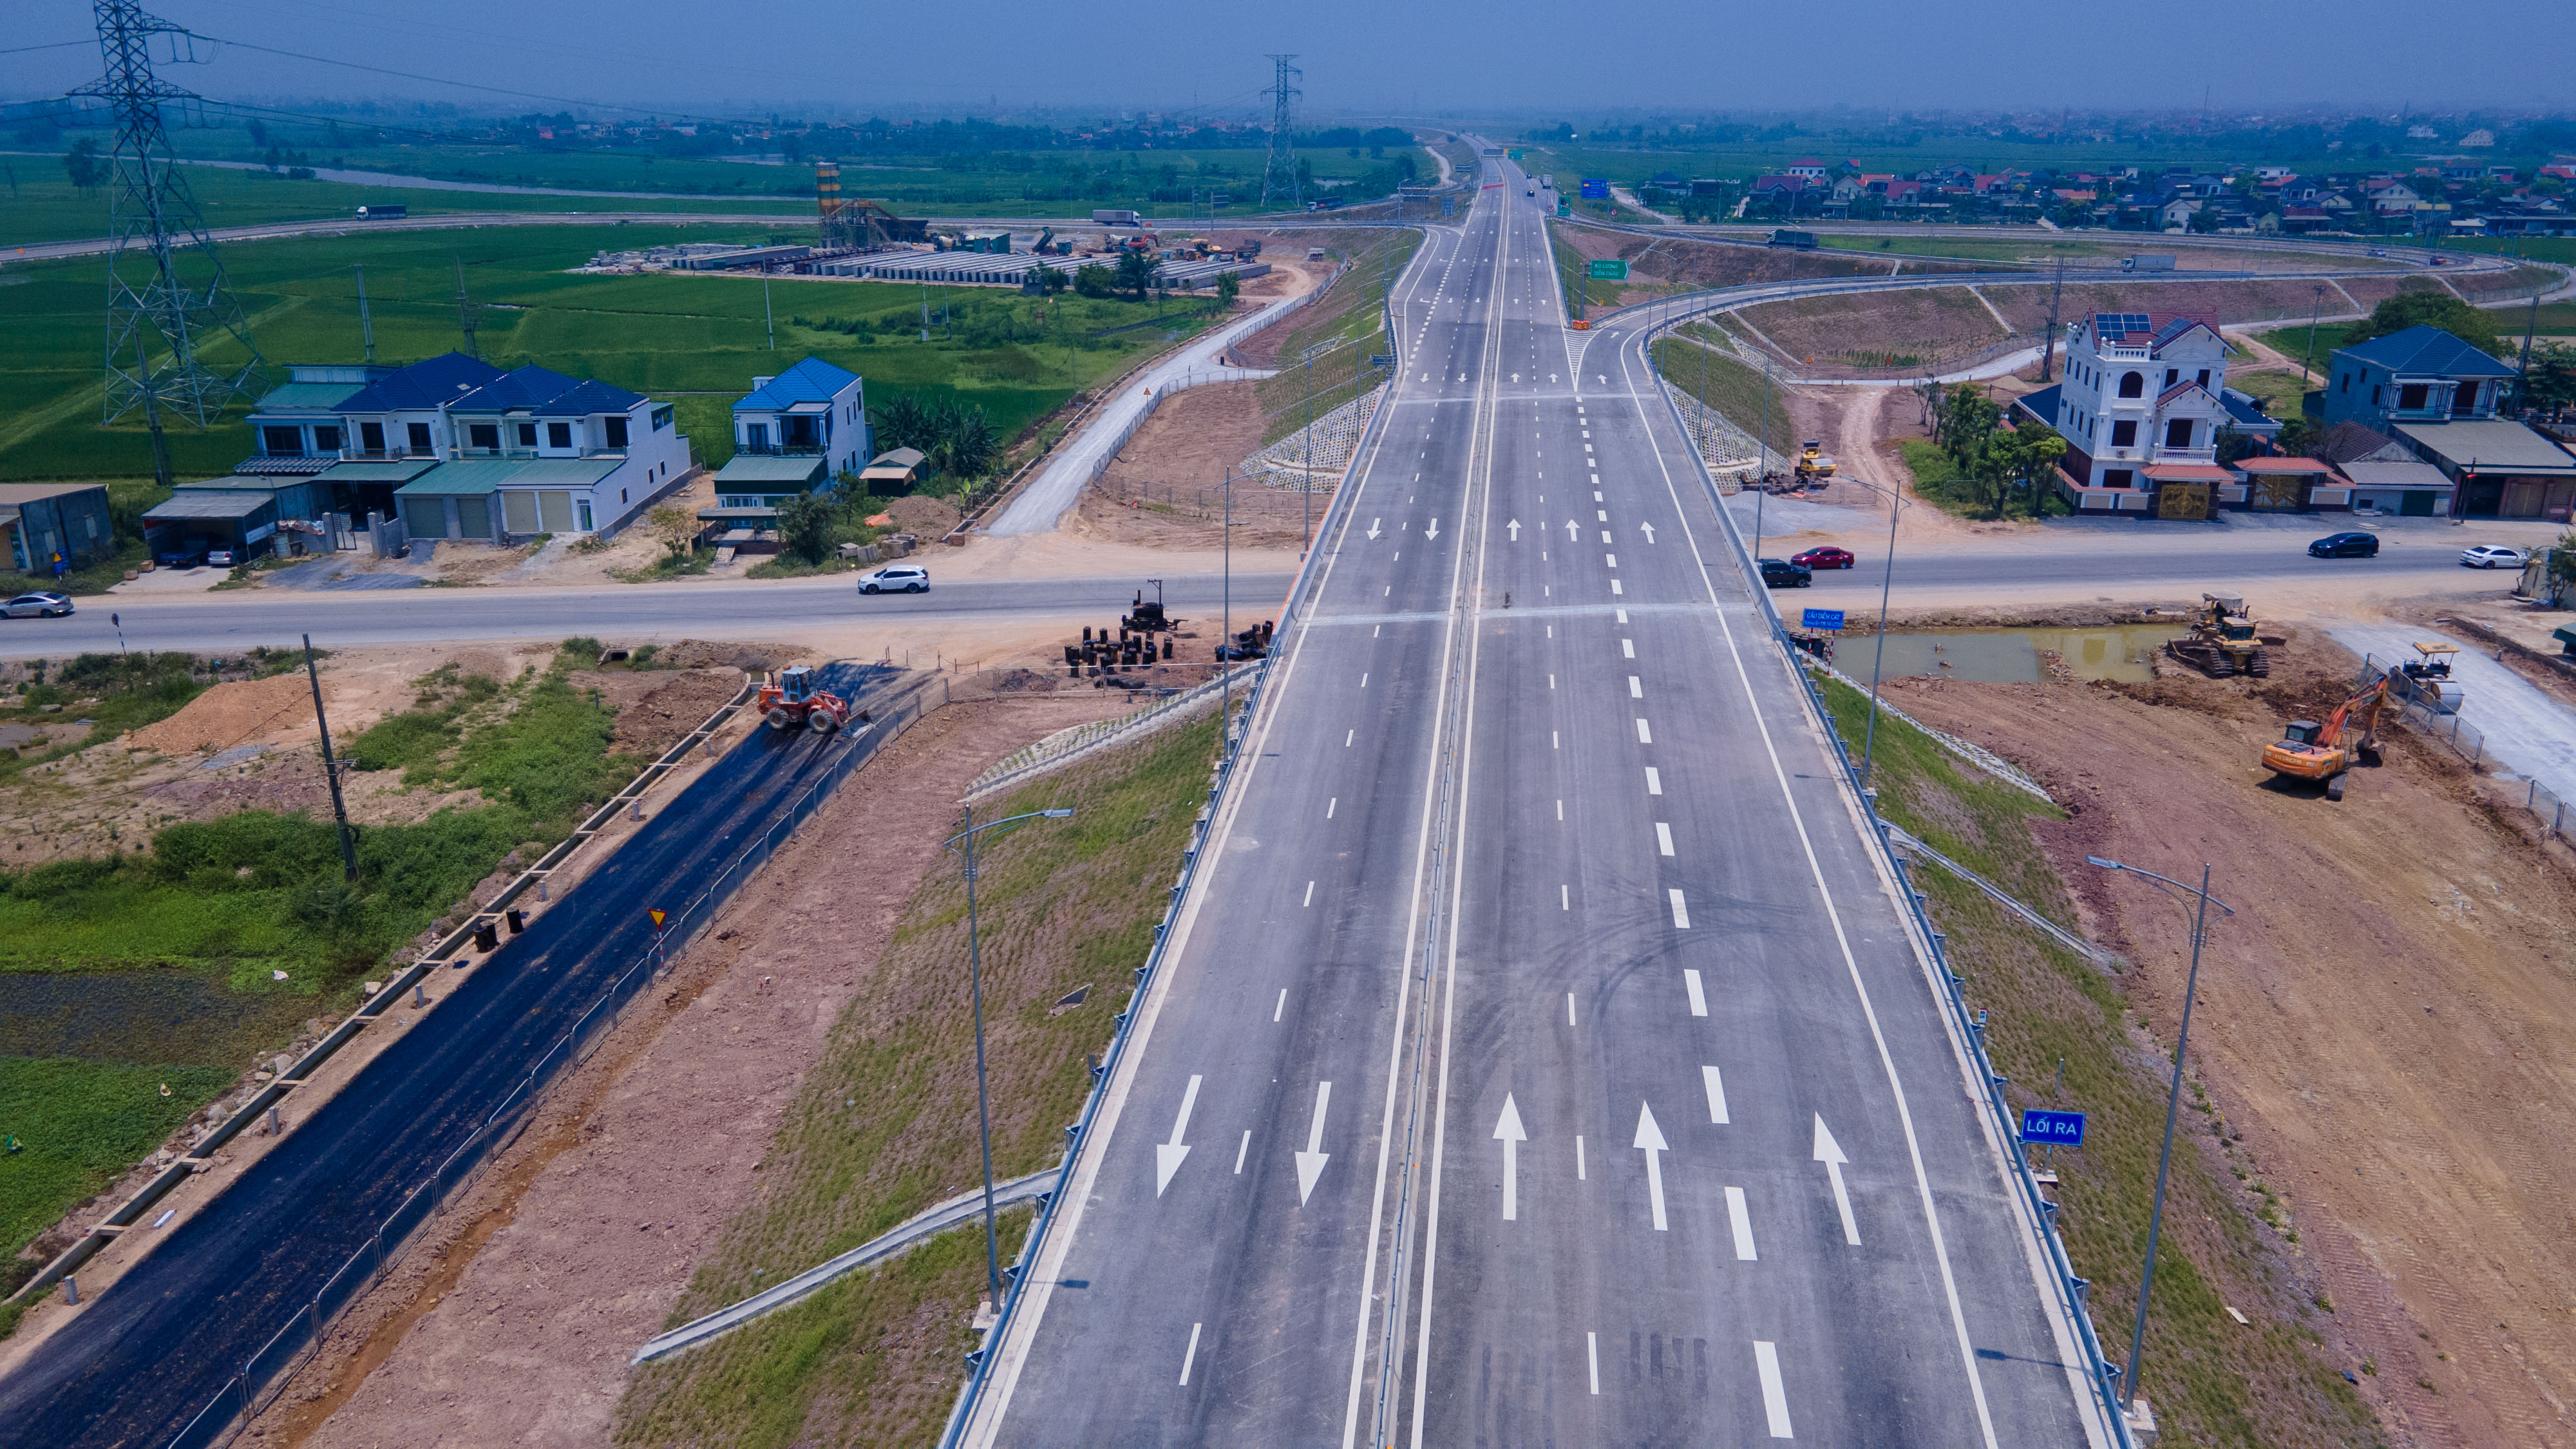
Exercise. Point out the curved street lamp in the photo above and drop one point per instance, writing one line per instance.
(971, 837)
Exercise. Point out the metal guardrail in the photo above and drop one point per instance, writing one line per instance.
(2038, 1212)
(955, 1212)
(266, 1373)
(979, 1363)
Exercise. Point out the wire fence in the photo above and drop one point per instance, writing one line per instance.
(267, 1372)
(2035, 1210)
(1065, 745)
(2429, 716)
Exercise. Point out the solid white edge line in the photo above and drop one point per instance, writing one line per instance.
(994, 1403)
(1842, 939)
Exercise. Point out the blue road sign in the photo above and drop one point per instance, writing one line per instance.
(1596, 188)
(1822, 619)
(2052, 1129)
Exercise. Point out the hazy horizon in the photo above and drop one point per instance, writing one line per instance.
(1014, 58)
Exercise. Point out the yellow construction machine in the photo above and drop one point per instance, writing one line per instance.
(2222, 640)
(2311, 751)
(1813, 466)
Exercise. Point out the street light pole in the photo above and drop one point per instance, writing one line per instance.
(971, 836)
(2173, 1100)
(1887, 579)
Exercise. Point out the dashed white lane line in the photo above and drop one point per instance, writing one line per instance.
(1552, 741)
(1716, 1095)
(1240, 1151)
(1614, 587)
(1565, 897)
(1592, 1355)
(1331, 805)
(1742, 1222)
(1560, 810)
(1654, 781)
(1623, 616)
(1578, 1157)
(1569, 1008)
(1636, 687)
(1775, 1397)
(1310, 894)
(1698, 997)
(1628, 648)
(1681, 913)
(1282, 1006)
(1663, 837)
(1346, 739)
(1363, 681)
(1644, 735)
(1191, 1355)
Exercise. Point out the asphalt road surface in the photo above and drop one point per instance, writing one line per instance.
(139, 1360)
(213, 623)
(1544, 1060)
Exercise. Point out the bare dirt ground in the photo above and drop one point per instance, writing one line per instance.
(1166, 489)
(253, 745)
(512, 1325)
(2384, 1019)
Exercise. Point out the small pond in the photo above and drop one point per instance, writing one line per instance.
(2010, 656)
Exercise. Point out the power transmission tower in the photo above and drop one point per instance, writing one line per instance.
(163, 308)
(1279, 177)
(465, 309)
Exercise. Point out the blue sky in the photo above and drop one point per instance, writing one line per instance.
(1496, 56)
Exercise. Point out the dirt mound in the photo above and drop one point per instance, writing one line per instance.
(929, 517)
(230, 714)
(655, 708)
(701, 654)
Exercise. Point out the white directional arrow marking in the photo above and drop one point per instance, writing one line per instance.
(1650, 1139)
(1511, 1135)
(1650, 531)
(1571, 533)
(1515, 527)
(1432, 532)
(1168, 1155)
(1830, 1153)
(1310, 1163)
(1372, 533)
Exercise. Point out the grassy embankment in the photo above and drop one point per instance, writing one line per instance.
(697, 341)
(1344, 329)
(884, 1124)
(1733, 390)
(124, 974)
(1939, 482)
(2212, 1381)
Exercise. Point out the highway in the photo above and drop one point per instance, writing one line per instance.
(1542, 1058)
(215, 623)
(138, 1360)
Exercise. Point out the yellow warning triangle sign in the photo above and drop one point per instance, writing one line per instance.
(658, 918)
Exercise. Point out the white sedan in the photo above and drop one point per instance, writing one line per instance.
(898, 579)
(42, 604)
(2493, 556)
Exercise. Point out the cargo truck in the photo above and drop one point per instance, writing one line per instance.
(2147, 264)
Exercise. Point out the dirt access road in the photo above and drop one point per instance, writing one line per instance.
(2385, 1019)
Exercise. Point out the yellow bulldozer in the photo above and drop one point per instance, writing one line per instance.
(2311, 751)
(2222, 641)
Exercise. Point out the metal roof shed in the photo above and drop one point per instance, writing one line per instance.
(216, 517)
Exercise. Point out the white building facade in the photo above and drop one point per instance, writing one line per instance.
(2140, 407)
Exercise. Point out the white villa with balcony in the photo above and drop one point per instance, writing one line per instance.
(463, 450)
(2140, 410)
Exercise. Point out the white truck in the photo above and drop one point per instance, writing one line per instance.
(2144, 263)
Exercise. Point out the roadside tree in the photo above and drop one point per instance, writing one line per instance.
(2429, 306)
(676, 527)
(805, 527)
(1095, 281)
(1137, 272)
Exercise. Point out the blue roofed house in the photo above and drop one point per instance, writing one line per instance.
(553, 454)
(793, 433)
(2438, 395)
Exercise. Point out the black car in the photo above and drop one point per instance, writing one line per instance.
(185, 556)
(1779, 573)
(2345, 545)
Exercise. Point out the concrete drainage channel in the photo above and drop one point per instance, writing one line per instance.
(267, 1372)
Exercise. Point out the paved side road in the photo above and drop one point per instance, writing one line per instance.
(214, 623)
(140, 1359)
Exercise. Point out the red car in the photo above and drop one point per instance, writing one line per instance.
(1824, 558)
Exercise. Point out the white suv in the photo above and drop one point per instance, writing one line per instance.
(899, 578)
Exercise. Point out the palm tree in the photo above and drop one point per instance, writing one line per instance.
(1137, 272)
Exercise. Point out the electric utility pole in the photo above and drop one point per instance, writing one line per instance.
(330, 768)
(465, 309)
(366, 324)
(2048, 344)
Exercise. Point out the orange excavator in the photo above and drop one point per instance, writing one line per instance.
(2312, 751)
(790, 701)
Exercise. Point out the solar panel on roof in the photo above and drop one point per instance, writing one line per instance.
(2117, 324)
